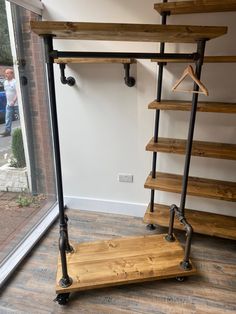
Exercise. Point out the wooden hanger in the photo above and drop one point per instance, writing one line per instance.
(189, 71)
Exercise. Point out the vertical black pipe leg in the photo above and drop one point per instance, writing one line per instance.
(63, 241)
(200, 51)
(65, 281)
(170, 236)
(185, 264)
(151, 206)
(151, 209)
(157, 120)
(69, 248)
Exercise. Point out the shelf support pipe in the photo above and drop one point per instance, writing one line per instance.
(64, 245)
(157, 117)
(129, 80)
(66, 80)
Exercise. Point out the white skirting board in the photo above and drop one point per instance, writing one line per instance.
(106, 206)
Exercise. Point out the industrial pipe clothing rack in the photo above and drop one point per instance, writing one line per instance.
(134, 259)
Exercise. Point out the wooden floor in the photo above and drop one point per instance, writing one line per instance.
(32, 288)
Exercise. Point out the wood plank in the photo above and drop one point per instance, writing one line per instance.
(209, 188)
(95, 60)
(203, 106)
(207, 59)
(127, 32)
(122, 261)
(197, 6)
(202, 222)
(199, 148)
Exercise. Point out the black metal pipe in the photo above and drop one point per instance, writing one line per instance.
(129, 80)
(52, 98)
(137, 55)
(157, 115)
(66, 80)
(65, 281)
(200, 50)
(57, 156)
(170, 236)
(189, 234)
(185, 264)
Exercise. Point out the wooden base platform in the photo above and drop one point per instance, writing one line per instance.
(122, 261)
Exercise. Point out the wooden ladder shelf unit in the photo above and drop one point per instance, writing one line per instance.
(202, 222)
(127, 260)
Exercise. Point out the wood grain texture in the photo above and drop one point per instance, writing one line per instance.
(94, 60)
(197, 6)
(199, 148)
(212, 290)
(209, 188)
(127, 32)
(179, 105)
(122, 261)
(207, 59)
(202, 222)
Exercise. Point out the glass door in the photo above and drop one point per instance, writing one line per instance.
(32, 207)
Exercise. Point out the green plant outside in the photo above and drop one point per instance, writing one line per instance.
(5, 49)
(18, 149)
(24, 201)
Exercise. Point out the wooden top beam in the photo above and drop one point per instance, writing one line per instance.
(127, 32)
(196, 6)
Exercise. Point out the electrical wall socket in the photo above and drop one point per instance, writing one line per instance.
(125, 177)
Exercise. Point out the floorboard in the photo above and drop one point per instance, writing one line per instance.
(32, 288)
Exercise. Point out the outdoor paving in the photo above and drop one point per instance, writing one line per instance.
(13, 217)
(15, 220)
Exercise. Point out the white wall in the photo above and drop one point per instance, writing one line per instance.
(105, 125)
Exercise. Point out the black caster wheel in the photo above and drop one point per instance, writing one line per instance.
(151, 227)
(180, 279)
(62, 298)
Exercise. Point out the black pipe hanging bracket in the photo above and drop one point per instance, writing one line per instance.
(69, 80)
(129, 80)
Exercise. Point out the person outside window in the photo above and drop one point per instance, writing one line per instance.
(11, 96)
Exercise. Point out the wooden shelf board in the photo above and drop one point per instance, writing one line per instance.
(209, 188)
(95, 60)
(122, 261)
(199, 148)
(207, 59)
(219, 107)
(199, 6)
(127, 32)
(204, 223)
